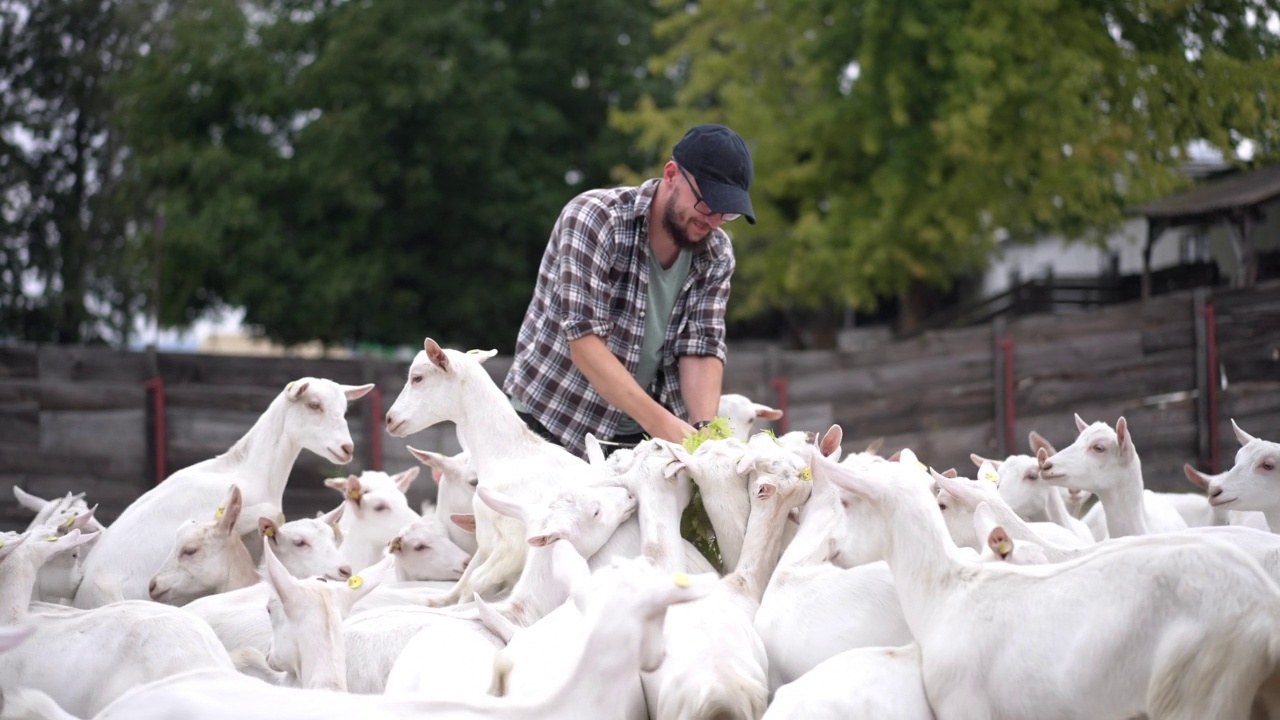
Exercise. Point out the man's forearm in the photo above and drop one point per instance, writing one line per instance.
(611, 379)
(701, 378)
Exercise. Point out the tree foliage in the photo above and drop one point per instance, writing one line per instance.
(380, 170)
(71, 269)
(895, 140)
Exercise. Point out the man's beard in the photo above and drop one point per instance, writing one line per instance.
(678, 234)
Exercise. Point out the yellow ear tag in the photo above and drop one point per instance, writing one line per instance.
(1, 543)
(70, 521)
(806, 474)
(217, 514)
(280, 518)
(354, 495)
(1003, 548)
(288, 387)
(474, 351)
(991, 476)
(268, 531)
(682, 580)
(51, 539)
(395, 544)
(922, 467)
(354, 582)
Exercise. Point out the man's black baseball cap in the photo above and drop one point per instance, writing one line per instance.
(719, 160)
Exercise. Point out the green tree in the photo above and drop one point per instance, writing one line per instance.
(894, 140)
(70, 266)
(378, 171)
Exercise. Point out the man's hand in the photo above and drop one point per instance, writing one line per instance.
(670, 428)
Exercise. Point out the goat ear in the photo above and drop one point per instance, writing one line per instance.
(1080, 423)
(435, 354)
(355, 392)
(896, 457)
(364, 582)
(830, 442)
(984, 520)
(764, 489)
(987, 471)
(405, 479)
(595, 454)
(78, 522)
(1123, 437)
(335, 515)
(951, 473)
(339, 484)
(29, 501)
(268, 529)
(856, 480)
(296, 389)
(546, 538)
(1242, 436)
(502, 504)
(999, 542)
(766, 412)
(353, 490)
(1037, 441)
(1196, 477)
(482, 355)
(277, 577)
(435, 460)
(874, 446)
(228, 514)
(465, 521)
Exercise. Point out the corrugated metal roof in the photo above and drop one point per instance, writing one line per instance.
(1237, 191)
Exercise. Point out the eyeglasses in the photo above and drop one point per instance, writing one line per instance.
(701, 205)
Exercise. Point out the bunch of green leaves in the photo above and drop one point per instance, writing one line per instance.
(695, 526)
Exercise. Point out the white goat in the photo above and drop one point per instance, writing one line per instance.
(210, 558)
(813, 610)
(723, 624)
(1018, 481)
(1105, 462)
(1253, 482)
(85, 659)
(447, 385)
(306, 620)
(456, 481)
(309, 413)
(1218, 516)
(376, 511)
(1191, 626)
(742, 413)
(425, 551)
(867, 682)
(583, 517)
(626, 606)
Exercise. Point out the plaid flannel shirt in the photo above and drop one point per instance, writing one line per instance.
(594, 280)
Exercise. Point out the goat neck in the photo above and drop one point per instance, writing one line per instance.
(264, 454)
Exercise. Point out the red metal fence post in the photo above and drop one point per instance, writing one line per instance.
(780, 385)
(159, 433)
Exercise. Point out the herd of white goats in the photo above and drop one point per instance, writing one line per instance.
(542, 585)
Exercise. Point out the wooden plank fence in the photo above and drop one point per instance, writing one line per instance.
(1179, 367)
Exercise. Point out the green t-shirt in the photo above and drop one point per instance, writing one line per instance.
(664, 287)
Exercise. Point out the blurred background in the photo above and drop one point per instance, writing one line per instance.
(359, 174)
(338, 179)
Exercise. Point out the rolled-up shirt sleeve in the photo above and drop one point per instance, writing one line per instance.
(584, 236)
(703, 330)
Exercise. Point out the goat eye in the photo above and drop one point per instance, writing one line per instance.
(421, 547)
(844, 504)
(1268, 466)
(381, 508)
(189, 551)
(474, 483)
(415, 379)
(1097, 447)
(300, 543)
(313, 404)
